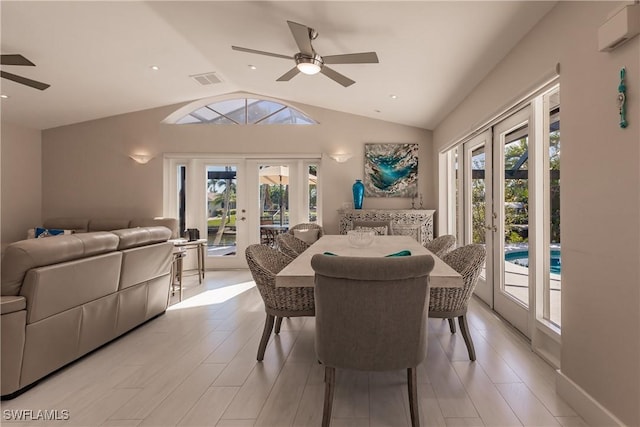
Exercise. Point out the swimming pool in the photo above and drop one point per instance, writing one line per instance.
(521, 257)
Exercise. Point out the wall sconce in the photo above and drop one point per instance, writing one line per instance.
(141, 158)
(341, 157)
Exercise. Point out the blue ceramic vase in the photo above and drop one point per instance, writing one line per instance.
(358, 194)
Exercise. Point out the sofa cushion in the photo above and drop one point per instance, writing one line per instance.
(53, 289)
(22, 256)
(134, 237)
(170, 223)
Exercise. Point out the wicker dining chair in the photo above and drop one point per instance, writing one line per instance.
(351, 332)
(449, 303)
(442, 245)
(264, 263)
(291, 245)
(305, 231)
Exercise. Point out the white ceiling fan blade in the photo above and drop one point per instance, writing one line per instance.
(336, 76)
(352, 58)
(260, 52)
(288, 75)
(301, 36)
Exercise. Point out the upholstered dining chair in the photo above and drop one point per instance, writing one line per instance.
(380, 227)
(449, 303)
(307, 231)
(442, 245)
(265, 262)
(291, 245)
(371, 315)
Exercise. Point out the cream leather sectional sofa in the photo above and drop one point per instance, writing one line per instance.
(67, 295)
(83, 225)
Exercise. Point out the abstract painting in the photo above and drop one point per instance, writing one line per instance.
(390, 170)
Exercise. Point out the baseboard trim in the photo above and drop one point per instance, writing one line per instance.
(586, 406)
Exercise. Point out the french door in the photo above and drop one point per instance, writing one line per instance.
(495, 201)
(510, 214)
(228, 200)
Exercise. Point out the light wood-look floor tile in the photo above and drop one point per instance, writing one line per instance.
(195, 366)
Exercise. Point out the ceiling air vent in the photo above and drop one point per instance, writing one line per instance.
(206, 79)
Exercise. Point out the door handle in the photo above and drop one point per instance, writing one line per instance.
(491, 227)
(243, 218)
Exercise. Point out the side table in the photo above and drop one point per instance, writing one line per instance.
(199, 245)
(176, 270)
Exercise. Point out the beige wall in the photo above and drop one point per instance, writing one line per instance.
(21, 181)
(87, 171)
(600, 197)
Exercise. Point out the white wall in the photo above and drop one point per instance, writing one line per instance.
(87, 171)
(600, 199)
(21, 182)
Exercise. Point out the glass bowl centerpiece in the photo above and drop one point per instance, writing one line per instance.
(361, 238)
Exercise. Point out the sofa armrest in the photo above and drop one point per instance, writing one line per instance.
(12, 303)
(12, 334)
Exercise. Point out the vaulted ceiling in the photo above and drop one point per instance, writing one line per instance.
(97, 56)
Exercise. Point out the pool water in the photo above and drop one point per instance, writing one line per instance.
(521, 257)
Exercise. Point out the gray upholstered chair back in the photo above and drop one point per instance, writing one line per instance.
(290, 245)
(442, 245)
(371, 313)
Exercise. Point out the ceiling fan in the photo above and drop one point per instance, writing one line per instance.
(20, 60)
(309, 62)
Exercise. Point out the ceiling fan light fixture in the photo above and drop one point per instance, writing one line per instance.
(308, 65)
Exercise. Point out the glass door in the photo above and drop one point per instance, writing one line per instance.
(285, 194)
(508, 198)
(478, 227)
(207, 195)
(511, 281)
(233, 202)
(224, 216)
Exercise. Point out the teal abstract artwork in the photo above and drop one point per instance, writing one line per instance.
(391, 170)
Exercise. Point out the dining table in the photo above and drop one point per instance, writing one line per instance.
(299, 273)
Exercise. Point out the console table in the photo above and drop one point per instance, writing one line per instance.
(417, 223)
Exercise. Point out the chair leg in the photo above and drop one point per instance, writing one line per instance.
(412, 382)
(329, 387)
(452, 326)
(266, 333)
(464, 328)
(278, 324)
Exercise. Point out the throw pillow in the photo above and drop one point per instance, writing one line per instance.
(41, 232)
(380, 231)
(307, 236)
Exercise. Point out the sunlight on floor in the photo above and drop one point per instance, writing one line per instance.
(213, 296)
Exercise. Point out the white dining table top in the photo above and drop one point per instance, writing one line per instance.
(300, 274)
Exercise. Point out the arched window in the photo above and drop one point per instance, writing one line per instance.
(243, 111)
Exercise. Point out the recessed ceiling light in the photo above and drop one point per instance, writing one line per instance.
(154, 67)
(393, 96)
(253, 67)
(3, 96)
